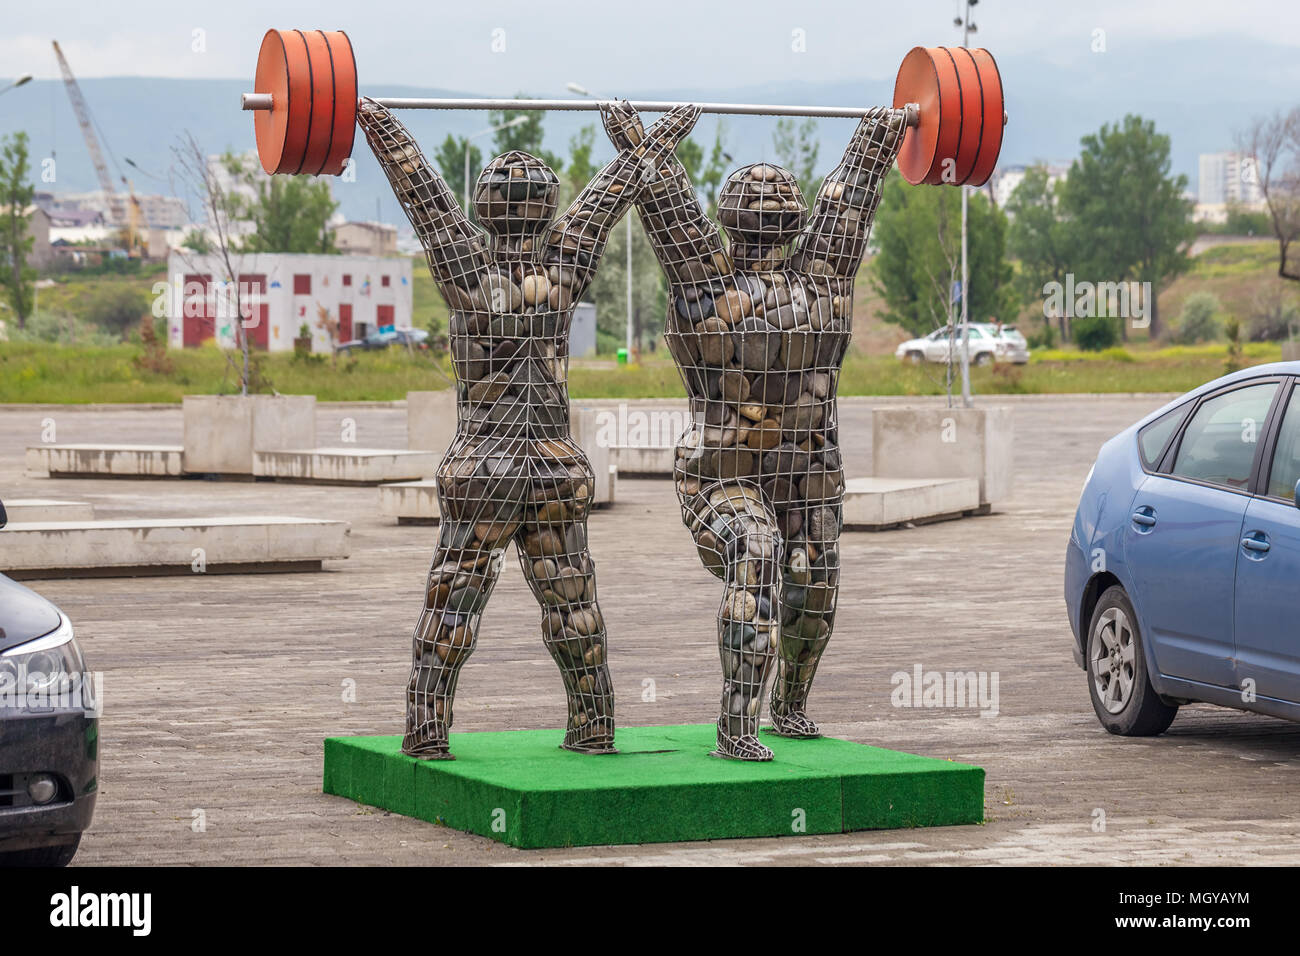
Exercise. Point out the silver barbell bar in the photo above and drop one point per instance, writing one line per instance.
(263, 101)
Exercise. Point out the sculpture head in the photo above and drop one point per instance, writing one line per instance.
(516, 195)
(761, 205)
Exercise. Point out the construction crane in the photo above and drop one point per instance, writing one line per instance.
(117, 213)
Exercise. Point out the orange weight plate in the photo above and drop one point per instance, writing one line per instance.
(344, 118)
(994, 110)
(284, 71)
(320, 119)
(928, 77)
(972, 115)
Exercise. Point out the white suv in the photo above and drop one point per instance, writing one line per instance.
(988, 342)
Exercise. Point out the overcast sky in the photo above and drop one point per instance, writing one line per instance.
(608, 46)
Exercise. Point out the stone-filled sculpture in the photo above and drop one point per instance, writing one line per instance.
(758, 329)
(513, 471)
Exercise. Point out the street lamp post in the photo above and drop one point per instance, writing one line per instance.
(967, 28)
(21, 81)
(484, 132)
(583, 91)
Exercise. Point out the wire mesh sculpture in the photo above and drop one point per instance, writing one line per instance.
(758, 329)
(513, 471)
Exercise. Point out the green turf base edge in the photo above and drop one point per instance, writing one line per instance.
(518, 787)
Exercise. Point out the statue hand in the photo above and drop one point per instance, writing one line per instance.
(622, 124)
(670, 129)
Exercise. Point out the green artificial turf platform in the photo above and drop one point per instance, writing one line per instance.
(519, 787)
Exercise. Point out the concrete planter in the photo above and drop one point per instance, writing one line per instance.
(1291, 351)
(430, 420)
(937, 442)
(223, 431)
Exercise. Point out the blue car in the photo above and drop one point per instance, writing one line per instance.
(1182, 577)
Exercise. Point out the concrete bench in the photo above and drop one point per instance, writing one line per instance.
(875, 504)
(346, 466)
(155, 546)
(644, 460)
(48, 509)
(105, 461)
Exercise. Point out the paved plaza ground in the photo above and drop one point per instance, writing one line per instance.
(220, 689)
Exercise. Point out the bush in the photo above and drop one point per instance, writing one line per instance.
(1198, 321)
(1273, 316)
(117, 307)
(1044, 338)
(1096, 333)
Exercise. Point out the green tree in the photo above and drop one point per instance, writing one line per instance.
(796, 147)
(581, 167)
(525, 135)
(1128, 218)
(918, 231)
(450, 158)
(608, 291)
(289, 213)
(1038, 236)
(691, 155)
(711, 177)
(16, 192)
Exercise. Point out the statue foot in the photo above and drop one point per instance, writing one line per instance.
(793, 723)
(428, 743)
(745, 747)
(594, 738)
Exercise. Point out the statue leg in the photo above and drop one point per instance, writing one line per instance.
(479, 518)
(558, 567)
(737, 536)
(812, 575)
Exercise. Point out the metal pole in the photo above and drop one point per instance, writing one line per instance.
(263, 101)
(966, 399)
(467, 175)
(629, 285)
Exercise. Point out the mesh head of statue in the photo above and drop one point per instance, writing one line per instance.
(761, 205)
(516, 195)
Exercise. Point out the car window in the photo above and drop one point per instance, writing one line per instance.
(1286, 459)
(1219, 443)
(1154, 438)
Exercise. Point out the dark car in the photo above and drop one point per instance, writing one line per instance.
(414, 338)
(1182, 576)
(49, 731)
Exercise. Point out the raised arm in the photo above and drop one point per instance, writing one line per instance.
(577, 239)
(455, 247)
(686, 241)
(837, 230)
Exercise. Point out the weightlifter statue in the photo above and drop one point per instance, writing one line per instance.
(513, 471)
(759, 329)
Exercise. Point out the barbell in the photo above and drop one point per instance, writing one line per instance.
(305, 97)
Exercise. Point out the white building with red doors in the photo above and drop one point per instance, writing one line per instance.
(337, 297)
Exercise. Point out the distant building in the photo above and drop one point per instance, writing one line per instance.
(366, 238)
(1228, 177)
(1005, 179)
(282, 291)
(38, 227)
(582, 330)
(156, 211)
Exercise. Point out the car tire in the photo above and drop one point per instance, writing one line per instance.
(983, 358)
(60, 855)
(1119, 684)
(916, 358)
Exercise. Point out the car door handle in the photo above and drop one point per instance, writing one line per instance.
(1145, 517)
(1257, 542)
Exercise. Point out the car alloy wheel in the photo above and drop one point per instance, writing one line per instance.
(1113, 664)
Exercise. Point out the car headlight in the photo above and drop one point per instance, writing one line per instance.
(46, 674)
